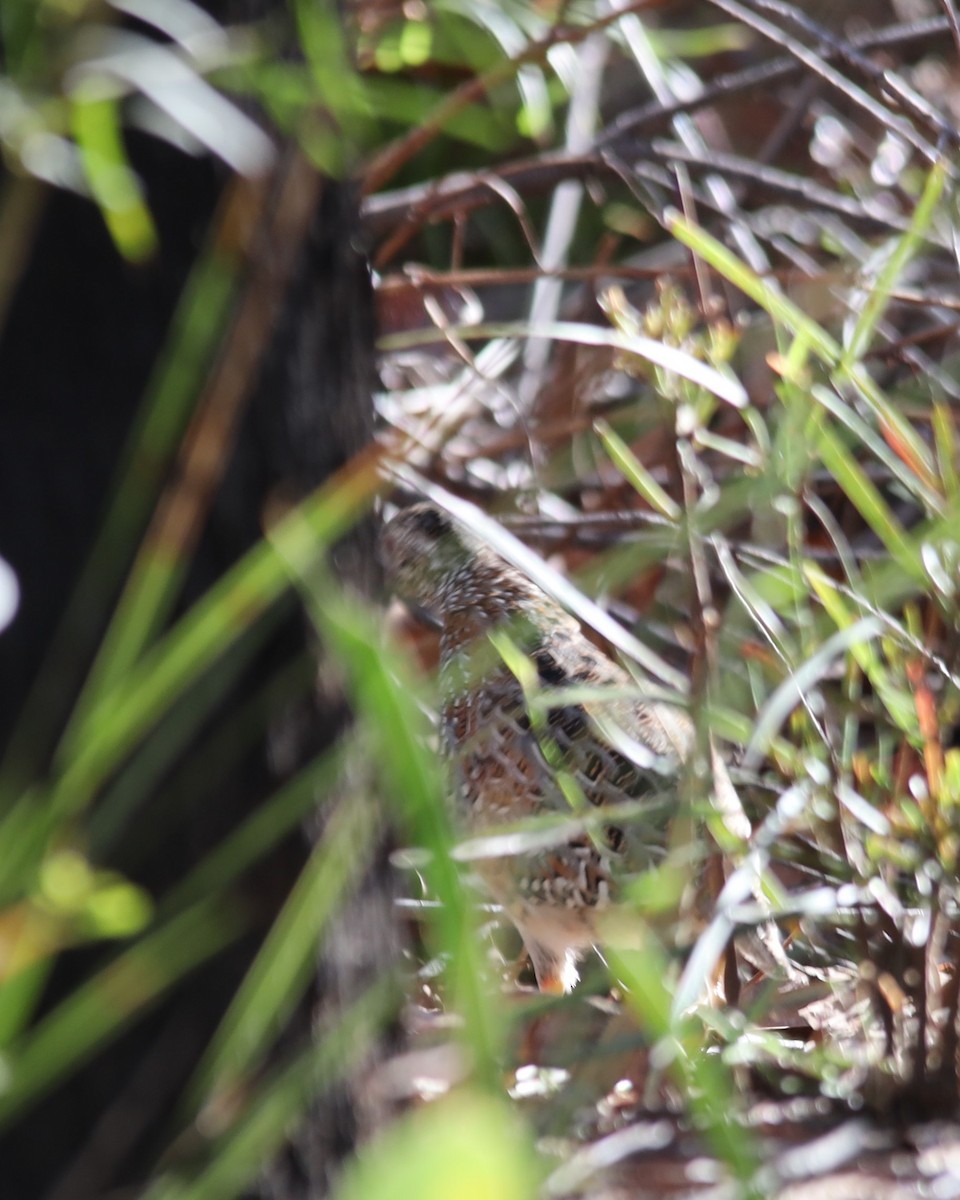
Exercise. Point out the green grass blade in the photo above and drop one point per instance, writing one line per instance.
(262, 830)
(865, 497)
(96, 744)
(878, 294)
(148, 771)
(815, 338)
(274, 1109)
(872, 443)
(195, 329)
(636, 474)
(948, 450)
(98, 1011)
(115, 187)
(386, 700)
(772, 301)
(286, 961)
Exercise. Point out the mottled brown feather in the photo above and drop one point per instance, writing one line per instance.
(506, 764)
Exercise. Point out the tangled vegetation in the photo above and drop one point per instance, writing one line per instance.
(670, 291)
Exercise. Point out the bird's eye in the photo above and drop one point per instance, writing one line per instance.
(433, 523)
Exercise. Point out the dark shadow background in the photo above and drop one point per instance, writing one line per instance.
(81, 340)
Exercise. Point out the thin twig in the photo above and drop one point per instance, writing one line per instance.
(818, 64)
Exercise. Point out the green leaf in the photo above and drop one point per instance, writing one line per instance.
(270, 1113)
(116, 189)
(814, 337)
(286, 961)
(865, 497)
(878, 293)
(99, 1010)
(470, 1146)
(636, 473)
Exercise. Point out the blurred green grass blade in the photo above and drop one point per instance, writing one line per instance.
(620, 565)
(19, 20)
(100, 1009)
(871, 441)
(277, 1106)
(468, 1146)
(150, 446)
(412, 777)
(886, 584)
(333, 145)
(148, 770)
(386, 701)
(268, 825)
(96, 744)
(116, 189)
(26, 833)
(19, 995)
(155, 576)
(739, 496)
(898, 702)
(793, 453)
(734, 450)
(700, 43)
(800, 682)
(135, 712)
(948, 449)
(708, 1086)
(906, 441)
(510, 41)
(402, 102)
(868, 502)
(772, 301)
(149, 592)
(260, 832)
(636, 474)
(286, 961)
(878, 294)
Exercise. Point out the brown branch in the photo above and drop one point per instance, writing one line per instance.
(816, 62)
(762, 75)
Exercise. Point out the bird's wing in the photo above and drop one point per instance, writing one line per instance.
(653, 738)
(613, 753)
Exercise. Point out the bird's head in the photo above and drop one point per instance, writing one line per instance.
(424, 552)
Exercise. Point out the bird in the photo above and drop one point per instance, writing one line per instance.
(513, 760)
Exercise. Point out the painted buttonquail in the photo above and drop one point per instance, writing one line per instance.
(510, 765)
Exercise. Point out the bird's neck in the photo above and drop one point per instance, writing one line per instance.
(487, 597)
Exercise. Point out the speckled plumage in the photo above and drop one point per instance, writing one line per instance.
(507, 763)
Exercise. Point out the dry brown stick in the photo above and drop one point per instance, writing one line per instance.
(733, 166)
(278, 223)
(457, 193)
(954, 21)
(777, 70)
(905, 97)
(461, 192)
(424, 277)
(816, 62)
